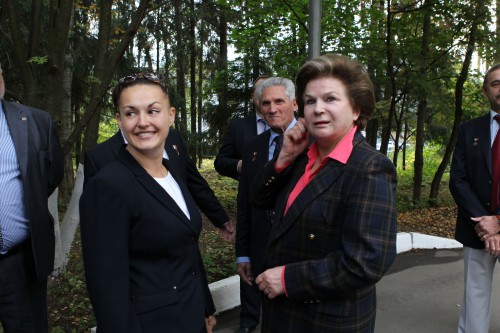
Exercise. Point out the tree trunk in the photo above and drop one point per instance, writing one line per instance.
(192, 74)
(222, 64)
(386, 130)
(21, 56)
(418, 165)
(180, 71)
(459, 88)
(199, 146)
(105, 13)
(104, 77)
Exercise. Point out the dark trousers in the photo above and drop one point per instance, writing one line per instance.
(250, 305)
(23, 299)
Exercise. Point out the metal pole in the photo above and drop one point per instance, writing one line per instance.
(314, 28)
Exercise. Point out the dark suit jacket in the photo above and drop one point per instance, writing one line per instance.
(142, 262)
(470, 178)
(42, 166)
(239, 132)
(253, 224)
(179, 159)
(337, 240)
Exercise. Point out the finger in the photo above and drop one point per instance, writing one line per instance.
(258, 280)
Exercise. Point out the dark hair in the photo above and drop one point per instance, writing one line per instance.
(352, 74)
(486, 76)
(135, 79)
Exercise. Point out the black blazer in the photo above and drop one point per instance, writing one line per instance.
(102, 154)
(470, 178)
(239, 132)
(42, 167)
(253, 224)
(142, 262)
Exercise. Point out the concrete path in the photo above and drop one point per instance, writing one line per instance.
(421, 293)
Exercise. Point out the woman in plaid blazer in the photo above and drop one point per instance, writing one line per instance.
(337, 233)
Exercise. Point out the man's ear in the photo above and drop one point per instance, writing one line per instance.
(484, 90)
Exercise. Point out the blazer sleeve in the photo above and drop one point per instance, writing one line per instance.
(267, 184)
(461, 185)
(106, 254)
(201, 192)
(243, 219)
(368, 239)
(89, 167)
(56, 168)
(227, 159)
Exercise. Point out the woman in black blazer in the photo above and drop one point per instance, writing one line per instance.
(140, 226)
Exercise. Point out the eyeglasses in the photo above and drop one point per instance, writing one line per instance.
(153, 77)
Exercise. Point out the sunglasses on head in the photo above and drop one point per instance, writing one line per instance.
(153, 77)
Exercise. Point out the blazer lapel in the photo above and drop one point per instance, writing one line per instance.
(325, 179)
(484, 137)
(195, 222)
(17, 120)
(152, 186)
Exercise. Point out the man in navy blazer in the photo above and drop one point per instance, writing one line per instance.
(228, 160)
(277, 98)
(31, 167)
(478, 216)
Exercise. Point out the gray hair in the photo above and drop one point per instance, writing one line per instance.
(276, 81)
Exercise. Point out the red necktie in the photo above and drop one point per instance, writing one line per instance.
(495, 169)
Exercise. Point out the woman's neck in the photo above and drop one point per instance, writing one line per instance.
(152, 163)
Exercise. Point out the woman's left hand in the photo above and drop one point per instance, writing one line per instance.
(269, 282)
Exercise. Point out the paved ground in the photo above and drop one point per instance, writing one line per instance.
(421, 293)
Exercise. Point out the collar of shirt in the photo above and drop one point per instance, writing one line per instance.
(165, 155)
(341, 152)
(494, 126)
(261, 124)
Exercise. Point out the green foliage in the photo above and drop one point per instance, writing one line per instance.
(38, 60)
(432, 158)
(225, 188)
(68, 301)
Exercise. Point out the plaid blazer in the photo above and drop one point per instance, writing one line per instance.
(337, 240)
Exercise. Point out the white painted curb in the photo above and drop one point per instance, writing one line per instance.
(226, 293)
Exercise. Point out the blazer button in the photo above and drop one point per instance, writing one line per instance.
(312, 236)
(195, 275)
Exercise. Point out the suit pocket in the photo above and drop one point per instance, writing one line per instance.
(149, 302)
